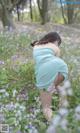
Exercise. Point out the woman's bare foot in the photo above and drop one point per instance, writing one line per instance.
(47, 113)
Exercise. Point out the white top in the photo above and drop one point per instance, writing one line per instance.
(53, 46)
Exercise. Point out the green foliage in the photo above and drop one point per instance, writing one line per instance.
(36, 16)
(26, 72)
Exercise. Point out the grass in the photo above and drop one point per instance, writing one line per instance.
(20, 98)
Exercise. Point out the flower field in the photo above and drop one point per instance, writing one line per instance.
(20, 106)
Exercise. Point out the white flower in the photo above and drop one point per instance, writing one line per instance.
(28, 116)
(17, 105)
(34, 130)
(22, 108)
(17, 98)
(78, 129)
(32, 116)
(77, 117)
(2, 118)
(77, 109)
(56, 121)
(18, 113)
(20, 118)
(1, 62)
(67, 84)
(10, 106)
(65, 103)
(69, 92)
(62, 91)
(77, 112)
(6, 94)
(63, 112)
(2, 90)
(64, 124)
(16, 124)
(51, 129)
(26, 127)
(14, 93)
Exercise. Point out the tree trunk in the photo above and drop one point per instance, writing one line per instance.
(6, 7)
(65, 21)
(7, 19)
(43, 9)
(18, 12)
(70, 12)
(31, 15)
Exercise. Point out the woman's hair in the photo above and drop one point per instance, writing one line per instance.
(50, 37)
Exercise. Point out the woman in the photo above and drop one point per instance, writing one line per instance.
(50, 70)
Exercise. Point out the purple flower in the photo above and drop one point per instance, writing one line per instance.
(1, 62)
(19, 131)
(14, 57)
(2, 117)
(30, 126)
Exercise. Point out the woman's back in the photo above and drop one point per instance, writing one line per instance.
(51, 46)
(42, 55)
(47, 66)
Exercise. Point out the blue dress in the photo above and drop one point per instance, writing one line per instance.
(47, 67)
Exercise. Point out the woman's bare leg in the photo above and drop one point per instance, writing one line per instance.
(46, 100)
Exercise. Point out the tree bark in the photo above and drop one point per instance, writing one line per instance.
(7, 19)
(6, 8)
(31, 14)
(43, 9)
(65, 21)
(70, 12)
(18, 12)
(6, 15)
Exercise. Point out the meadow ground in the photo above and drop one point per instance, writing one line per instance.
(19, 100)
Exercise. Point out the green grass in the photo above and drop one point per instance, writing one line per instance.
(18, 74)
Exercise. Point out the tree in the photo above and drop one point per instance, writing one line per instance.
(63, 15)
(70, 11)
(31, 15)
(6, 8)
(43, 6)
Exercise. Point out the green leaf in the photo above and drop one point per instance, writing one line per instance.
(11, 121)
(17, 128)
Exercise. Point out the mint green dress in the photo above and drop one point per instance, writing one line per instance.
(47, 67)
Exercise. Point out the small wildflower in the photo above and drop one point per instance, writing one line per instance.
(14, 93)
(67, 84)
(19, 131)
(2, 90)
(2, 117)
(63, 111)
(64, 124)
(51, 129)
(6, 94)
(1, 62)
(22, 108)
(10, 106)
(77, 109)
(56, 121)
(69, 92)
(77, 113)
